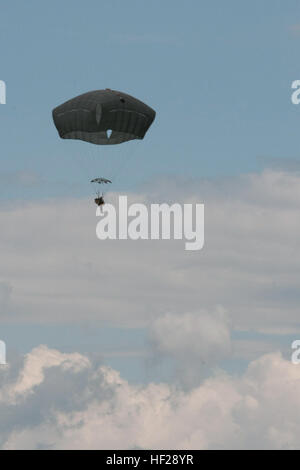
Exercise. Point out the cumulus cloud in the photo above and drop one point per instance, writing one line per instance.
(193, 340)
(67, 402)
(35, 365)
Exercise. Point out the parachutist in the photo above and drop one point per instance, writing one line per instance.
(100, 201)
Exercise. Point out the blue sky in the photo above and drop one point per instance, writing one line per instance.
(217, 73)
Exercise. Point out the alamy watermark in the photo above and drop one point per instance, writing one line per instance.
(2, 353)
(295, 358)
(2, 92)
(163, 221)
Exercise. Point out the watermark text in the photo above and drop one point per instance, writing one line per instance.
(2, 92)
(2, 353)
(161, 222)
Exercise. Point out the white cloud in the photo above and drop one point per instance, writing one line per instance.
(260, 409)
(199, 334)
(33, 372)
(60, 271)
(193, 339)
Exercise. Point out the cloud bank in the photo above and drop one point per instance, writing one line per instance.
(54, 269)
(64, 401)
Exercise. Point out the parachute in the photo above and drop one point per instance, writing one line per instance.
(99, 199)
(100, 180)
(103, 117)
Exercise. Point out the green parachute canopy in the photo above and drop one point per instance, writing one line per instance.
(103, 117)
(100, 180)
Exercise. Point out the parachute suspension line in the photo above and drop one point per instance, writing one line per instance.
(84, 161)
(127, 159)
(111, 161)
